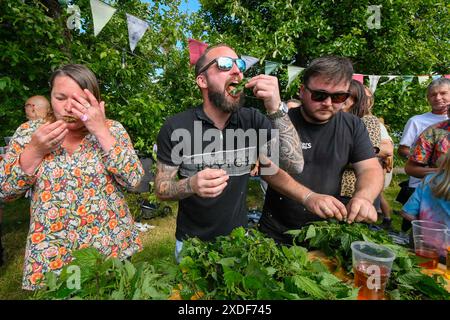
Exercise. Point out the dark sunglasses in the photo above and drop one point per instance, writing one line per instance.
(225, 64)
(321, 95)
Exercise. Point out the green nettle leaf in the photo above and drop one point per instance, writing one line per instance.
(328, 280)
(130, 269)
(311, 232)
(309, 286)
(228, 262)
(232, 278)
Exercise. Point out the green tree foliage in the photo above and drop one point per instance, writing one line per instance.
(154, 82)
(413, 39)
(157, 80)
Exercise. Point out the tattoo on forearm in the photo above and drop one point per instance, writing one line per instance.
(167, 186)
(291, 154)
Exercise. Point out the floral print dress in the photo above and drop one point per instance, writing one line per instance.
(77, 200)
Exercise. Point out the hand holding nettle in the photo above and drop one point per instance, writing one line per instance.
(265, 87)
(48, 137)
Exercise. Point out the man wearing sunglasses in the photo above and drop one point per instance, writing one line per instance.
(212, 196)
(330, 141)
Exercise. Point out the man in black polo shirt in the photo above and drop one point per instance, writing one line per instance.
(330, 141)
(205, 154)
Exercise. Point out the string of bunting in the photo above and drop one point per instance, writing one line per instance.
(196, 49)
(102, 14)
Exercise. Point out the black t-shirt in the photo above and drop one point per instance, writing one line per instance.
(198, 144)
(327, 149)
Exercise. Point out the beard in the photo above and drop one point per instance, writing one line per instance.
(219, 100)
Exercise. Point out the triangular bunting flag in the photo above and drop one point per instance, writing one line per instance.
(270, 67)
(373, 82)
(407, 81)
(389, 79)
(358, 77)
(136, 30)
(249, 61)
(196, 49)
(293, 72)
(101, 14)
(436, 76)
(423, 79)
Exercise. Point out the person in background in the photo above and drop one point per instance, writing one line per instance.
(77, 167)
(438, 96)
(386, 156)
(429, 149)
(37, 107)
(360, 104)
(431, 199)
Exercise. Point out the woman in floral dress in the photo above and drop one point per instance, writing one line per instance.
(76, 166)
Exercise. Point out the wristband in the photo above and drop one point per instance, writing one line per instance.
(307, 196)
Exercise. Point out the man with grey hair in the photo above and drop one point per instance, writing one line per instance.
(330, 141)
(438, 96)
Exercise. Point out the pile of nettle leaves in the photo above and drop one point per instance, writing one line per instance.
(245, 265)
(406, 281)
(93, 276)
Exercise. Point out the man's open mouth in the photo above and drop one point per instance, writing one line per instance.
(235, 87)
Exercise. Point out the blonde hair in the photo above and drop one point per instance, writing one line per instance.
(440, 183)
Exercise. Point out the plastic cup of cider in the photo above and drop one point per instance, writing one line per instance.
(429, 242)
(372, 264)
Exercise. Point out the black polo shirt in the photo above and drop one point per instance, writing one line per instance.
(327, 149)
(191, 141)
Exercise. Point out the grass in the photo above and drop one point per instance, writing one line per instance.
(158, 243)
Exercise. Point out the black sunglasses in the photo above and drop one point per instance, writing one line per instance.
(225, 64)
(321, 95)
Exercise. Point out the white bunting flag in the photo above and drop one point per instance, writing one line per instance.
(293, 72)
(406, 82)
(373, 82)
(270, 67)
(101, 14)
(136, 30)
(390, 78)
(249, 61)
(423, 79)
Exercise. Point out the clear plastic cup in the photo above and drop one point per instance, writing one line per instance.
(429, 242)
(372, 264)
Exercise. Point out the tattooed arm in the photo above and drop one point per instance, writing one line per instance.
(167, 187)
(208, 183)
(291, 155)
